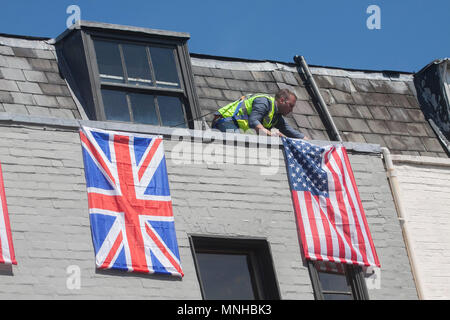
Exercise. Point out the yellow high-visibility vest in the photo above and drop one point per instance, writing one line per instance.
(239, 110)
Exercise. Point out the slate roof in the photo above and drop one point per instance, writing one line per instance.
(367, 106)
(30, 82)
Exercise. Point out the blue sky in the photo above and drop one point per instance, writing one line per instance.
(326, 32)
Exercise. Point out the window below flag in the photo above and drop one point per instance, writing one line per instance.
(337, 281)
(234, 268)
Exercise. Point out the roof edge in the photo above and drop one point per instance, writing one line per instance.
(236, 59)
(93, 25)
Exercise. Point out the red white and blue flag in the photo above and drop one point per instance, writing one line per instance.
(6, 245)
(130, 207)
(330, 216)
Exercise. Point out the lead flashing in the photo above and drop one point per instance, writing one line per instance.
(273, 66)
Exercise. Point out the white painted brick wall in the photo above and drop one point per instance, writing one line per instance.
(425, 194)
(47, 201)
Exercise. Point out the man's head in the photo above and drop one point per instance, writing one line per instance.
(286, 100)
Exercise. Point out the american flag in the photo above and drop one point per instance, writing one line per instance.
(6, 245)
(130, 207)
(329, 212)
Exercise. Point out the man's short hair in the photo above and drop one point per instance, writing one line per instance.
(284, 93)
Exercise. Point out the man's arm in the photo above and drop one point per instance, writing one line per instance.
(287, 130)
(260, 108)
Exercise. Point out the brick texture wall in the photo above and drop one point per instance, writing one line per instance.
(425, 194)
(47, 201)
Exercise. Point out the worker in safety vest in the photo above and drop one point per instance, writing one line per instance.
(260, 112)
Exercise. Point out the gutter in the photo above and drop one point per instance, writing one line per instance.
(302, 65)
(403, 218)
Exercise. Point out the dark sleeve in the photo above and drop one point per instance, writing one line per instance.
(260, 108)
(287, 130)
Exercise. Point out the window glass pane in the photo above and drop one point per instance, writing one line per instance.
(165, 69)
(333, 282)
(115, 104)
(225, 276)
(136, 62)
(334, 296)
(143, 107)
(171, 111)
(109, 62)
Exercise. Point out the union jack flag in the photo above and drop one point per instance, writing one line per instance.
(6, 245)
(130, 207)
(330, 216)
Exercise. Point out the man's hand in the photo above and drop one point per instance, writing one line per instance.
(261, 130)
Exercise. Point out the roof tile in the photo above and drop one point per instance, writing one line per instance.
(358, 125)
(7, 51)
(22, 98)
(24, 52)
(222, 73)
(362, 85)
(316, 122)
(8, 85)
(302, 121)
(55, 78)
(380, 113)
(399, 114)
(374, 138)
(218, 83)
(5, 97)
(264, 76)
(417, 129)
(317, 134)
(29, 87)
(354, 137)
(303, 107)
(289, 78)
(35, 76)
(361, 112)
(340, 110)
(11, 74)
(14, 62)
(432, 144)
(242, 75)
(395, 127)
(202, 71)
(15, 108)
(341, 96)
(378, 126)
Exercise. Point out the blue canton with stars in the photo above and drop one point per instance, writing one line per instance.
(304, 161)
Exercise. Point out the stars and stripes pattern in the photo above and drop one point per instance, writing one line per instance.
(130, 207)
(330, 216)
(6, 245)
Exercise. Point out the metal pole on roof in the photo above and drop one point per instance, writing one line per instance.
(302, 65)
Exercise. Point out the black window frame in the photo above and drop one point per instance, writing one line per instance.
(355, 278)
(186, 92)
(262, 271)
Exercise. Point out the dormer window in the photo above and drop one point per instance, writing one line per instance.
(136, 75)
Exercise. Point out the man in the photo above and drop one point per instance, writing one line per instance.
(259, 112)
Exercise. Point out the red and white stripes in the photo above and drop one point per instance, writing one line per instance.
(6, 245)
(335, 228)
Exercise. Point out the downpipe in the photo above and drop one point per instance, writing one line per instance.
(402, 217)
